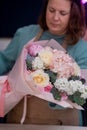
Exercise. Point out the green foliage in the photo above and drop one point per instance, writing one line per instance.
(76, 98)
(77, 78)
(29, 65)
(74, 78)
(56, 94)
(29, 62)
(52, 76)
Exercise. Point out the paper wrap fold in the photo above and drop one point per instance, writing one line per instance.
(20, 85)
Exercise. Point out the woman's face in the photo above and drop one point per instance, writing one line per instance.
(57, 16)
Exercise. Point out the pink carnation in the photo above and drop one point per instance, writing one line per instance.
(34, 49)
(64, 96)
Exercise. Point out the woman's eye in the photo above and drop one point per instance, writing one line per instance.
(51, 10)
(64, 13)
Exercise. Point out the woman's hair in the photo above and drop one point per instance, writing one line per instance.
(85, 6)
(76, 25)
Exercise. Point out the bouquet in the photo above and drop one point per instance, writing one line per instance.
(46, 71)
(54, 71)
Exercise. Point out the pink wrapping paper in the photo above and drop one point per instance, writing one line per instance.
(21, 86)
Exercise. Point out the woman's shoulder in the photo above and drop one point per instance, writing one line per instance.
(29, 29)
(79, 47)
(80, 53)
(82, 44)
(26, 33)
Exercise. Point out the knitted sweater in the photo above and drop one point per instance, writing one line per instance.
(24, 34)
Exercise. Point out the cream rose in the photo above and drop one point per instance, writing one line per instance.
(40, 78)
(46, 56)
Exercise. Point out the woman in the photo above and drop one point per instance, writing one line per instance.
(62, 20)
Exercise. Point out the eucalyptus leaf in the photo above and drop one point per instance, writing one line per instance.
(29, 62)
(29, 65)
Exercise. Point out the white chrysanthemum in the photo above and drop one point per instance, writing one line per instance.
(70, 87)
(84, 95)
(82, 88)
(37, 63)
(62, 84)
(74, 85)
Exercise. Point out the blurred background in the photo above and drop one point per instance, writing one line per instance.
(18, 13)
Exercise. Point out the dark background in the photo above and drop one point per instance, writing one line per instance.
(18, 13)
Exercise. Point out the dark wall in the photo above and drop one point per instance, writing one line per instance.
(15, 14)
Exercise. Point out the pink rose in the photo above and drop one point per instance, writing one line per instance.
(48, 88)
(34, 49)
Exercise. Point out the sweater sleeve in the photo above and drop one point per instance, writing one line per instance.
(10, 54)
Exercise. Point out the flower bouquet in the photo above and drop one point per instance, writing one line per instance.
(46, 71)
(55, 72)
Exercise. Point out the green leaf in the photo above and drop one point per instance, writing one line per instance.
(29, 65)
(56, 93)
(70, 97)
(52, 76)
(76, 98)
(29, 62)
(73, 77)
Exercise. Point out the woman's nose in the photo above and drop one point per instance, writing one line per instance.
(56, 16)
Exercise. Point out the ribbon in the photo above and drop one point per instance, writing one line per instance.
(25, 108)
(5, 89)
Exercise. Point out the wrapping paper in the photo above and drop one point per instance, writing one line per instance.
(19, 85)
